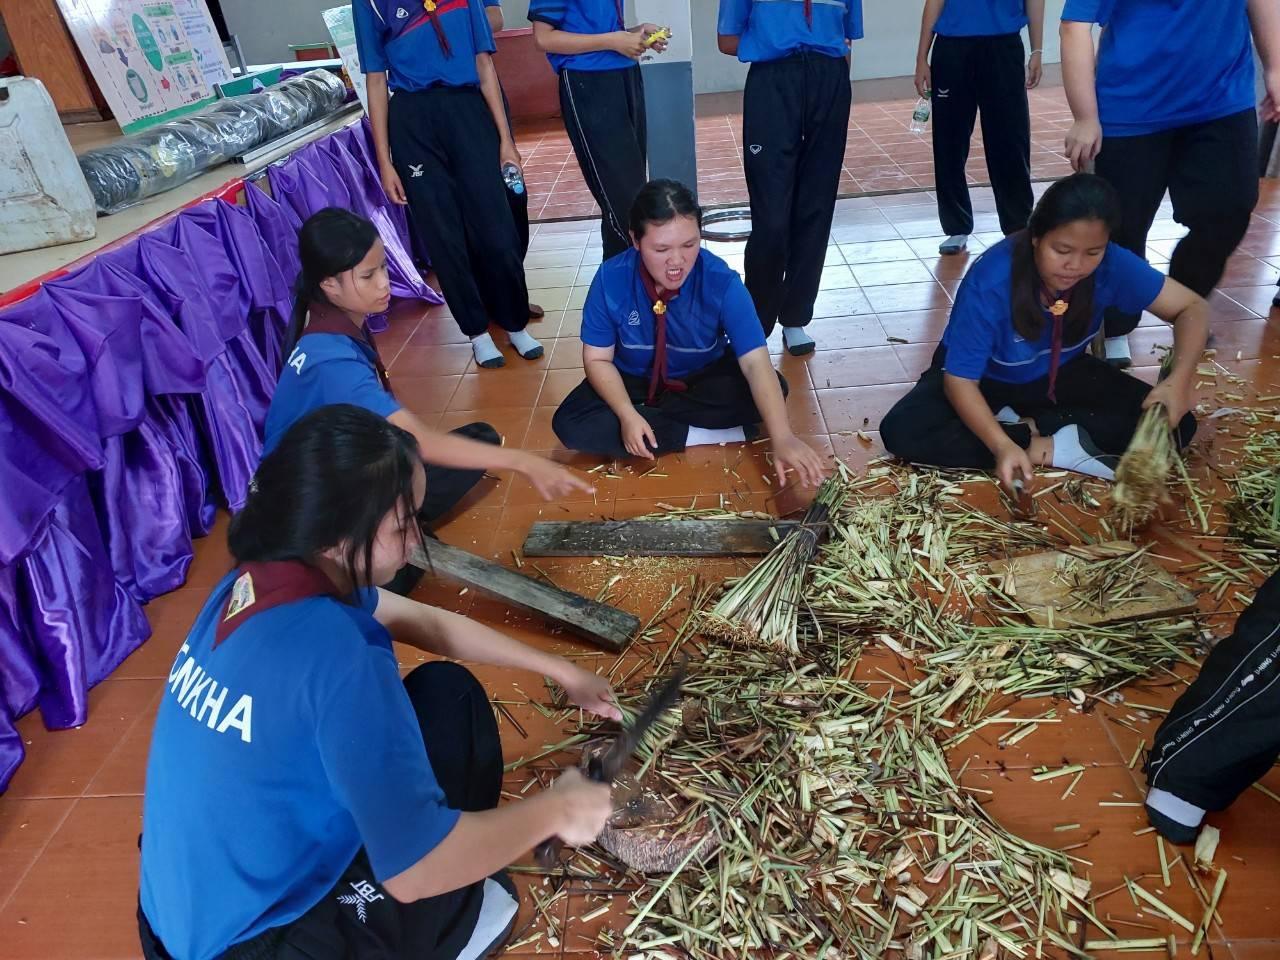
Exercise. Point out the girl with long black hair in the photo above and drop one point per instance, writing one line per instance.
(1013, 385)
(673, 349)
(332, 358)
(302, 800)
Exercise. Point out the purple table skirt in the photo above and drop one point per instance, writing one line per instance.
(132, 396)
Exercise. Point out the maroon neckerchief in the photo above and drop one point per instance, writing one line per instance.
(262, 586)
(1056, 305)
(658, 380)
(326, 318)
(808, 12)
(431, 14)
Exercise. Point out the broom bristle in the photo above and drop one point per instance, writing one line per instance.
(1144, 469)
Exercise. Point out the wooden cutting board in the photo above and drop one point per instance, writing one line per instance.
(1040, 585)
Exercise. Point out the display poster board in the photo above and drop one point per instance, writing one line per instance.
(146, 63)
(343, 31)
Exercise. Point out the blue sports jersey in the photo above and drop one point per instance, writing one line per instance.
(325, 368)
(980, 338)
(1169, 63)
(585, 17)
(276, 755)
(713, 311)
(396, 37)
(773, 29)
(981, 18)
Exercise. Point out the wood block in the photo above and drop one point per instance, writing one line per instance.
(654, 538)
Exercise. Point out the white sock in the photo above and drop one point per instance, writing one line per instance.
(525, 345)
(496, 910)
(702, 437)
(1007, 415)
(1074, 449)
(795, 338)
(1117, 348)
(486, 351)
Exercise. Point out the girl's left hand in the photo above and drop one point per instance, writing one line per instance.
(793, 453)
(590, 691)
(1034, 69)
(646, 30)
(507, 153)
(1175, 394)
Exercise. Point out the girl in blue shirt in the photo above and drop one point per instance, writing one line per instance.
(302, 799)
(1013, 385)
(332, 358)
(1167, 103)
(977, 64)
(601, 100)
(673, 350)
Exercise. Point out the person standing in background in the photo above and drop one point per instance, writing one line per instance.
(978, 65)
(795, 123)
(1168, 103)
(441, 143)
(601, 100)
(517, 200)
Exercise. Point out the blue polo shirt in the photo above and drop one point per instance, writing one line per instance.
(981, 341)
(1169, 63)
(325, 368)
(773, 29)
(712, 312)
(981, 18)
(586, 17)
(396, 37)
(276, 755)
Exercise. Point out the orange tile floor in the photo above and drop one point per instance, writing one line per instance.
(882, 154)
(70, 820)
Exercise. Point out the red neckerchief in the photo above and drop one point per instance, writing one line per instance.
(262, 586)
(622, 19)
(326, 318)
(808, 12)
(659, 298)
(1057, 306)
(431, 13)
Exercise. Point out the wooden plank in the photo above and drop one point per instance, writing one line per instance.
(654, 538)
(1039, 587)
(599, 623)
(45, 50)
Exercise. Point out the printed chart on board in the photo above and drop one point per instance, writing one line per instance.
(147, 64)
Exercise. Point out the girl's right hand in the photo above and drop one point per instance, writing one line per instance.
(1083, 144)
(392, 185)
(585, 807)
(924, 78)
(638, 437)
(629, 44)
(1013, 463)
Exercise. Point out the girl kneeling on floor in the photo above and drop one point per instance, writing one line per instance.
(303, 801)
(657, 330)
(1013, 385)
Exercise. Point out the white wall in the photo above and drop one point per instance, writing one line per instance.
(888, 49)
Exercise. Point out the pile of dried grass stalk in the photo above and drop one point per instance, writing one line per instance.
(1143, 473)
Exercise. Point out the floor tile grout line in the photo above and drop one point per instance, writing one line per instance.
(22, 878)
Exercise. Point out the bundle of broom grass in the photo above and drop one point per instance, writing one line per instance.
(1143, 473)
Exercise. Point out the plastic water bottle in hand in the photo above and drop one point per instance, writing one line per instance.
(920, 115)
(513, 178)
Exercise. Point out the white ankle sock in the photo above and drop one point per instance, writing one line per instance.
(525, 345)
(1117, 348)
(1074, 449)
(1007, 415)
(486, 351)
(797, 341)
(702, 437)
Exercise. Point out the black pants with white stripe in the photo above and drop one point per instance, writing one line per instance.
(444, 144)
(604, 116)
(987, 75)
(795, 123)
(1223, 734)
(465, 749)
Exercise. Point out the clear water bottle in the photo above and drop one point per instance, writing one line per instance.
(513, 178)
(920, 115)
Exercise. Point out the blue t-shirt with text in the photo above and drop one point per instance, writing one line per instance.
(712, 312)
(1168, 63)
(981, 18)
(980, 338)
(323, 369)
(773, 29)
(590, 17)
(396, 37)
(276, 756)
